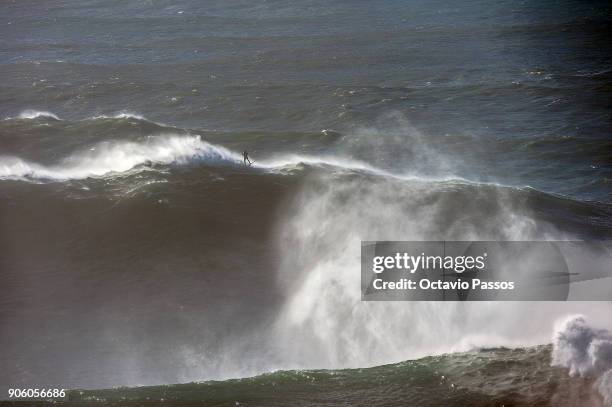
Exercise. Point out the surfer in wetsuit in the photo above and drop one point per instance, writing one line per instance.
(245, 157)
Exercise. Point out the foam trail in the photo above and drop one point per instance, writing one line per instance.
(115, 157)
(585, 351)
(35, 114)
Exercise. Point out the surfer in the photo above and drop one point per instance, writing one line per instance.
(245, 157)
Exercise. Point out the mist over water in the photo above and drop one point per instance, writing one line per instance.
(325, 319)
(136, 248)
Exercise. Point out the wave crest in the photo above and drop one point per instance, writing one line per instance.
(121, 115)
(585, 351)
(115, 157)
(30, 114)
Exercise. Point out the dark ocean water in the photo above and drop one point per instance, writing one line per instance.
(137, 249)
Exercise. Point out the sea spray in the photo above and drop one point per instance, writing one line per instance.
(324, 323)
(586, 351)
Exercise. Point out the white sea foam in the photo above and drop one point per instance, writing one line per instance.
(30, 114)
(585, 351)
(121, 115)
(35, 114)
(119, 156)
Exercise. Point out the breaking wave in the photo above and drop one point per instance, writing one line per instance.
(119, 156)
(30, 114)
(122, 115)
(36, 114)
(113, 157)
(585, 351)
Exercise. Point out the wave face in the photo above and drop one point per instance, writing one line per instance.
(129, 220)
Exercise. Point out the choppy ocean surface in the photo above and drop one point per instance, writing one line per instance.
(137, 249)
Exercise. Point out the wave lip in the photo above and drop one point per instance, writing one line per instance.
(116, 157)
